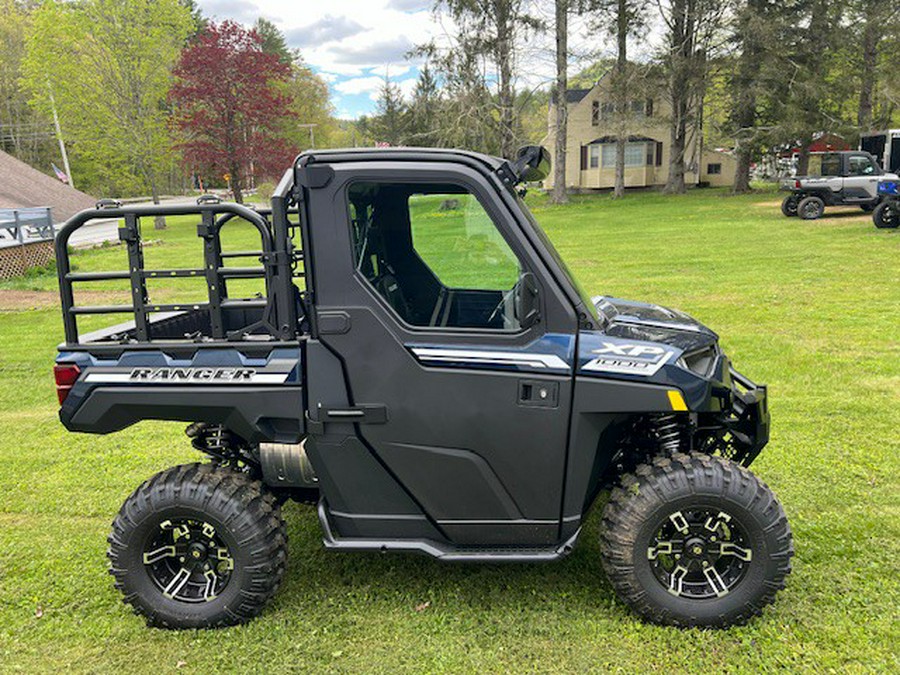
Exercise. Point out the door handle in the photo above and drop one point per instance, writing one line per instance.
(538, 393)
(360, 414)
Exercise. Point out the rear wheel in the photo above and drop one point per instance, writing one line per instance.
(886, 215)
(811, 208)
(695, 540)
(198, 546)
(789, 206)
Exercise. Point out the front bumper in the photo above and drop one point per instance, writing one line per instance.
(749, 422)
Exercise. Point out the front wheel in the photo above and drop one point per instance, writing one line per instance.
(886, 215)
(811, 208)
(695, 540)
(198, 546)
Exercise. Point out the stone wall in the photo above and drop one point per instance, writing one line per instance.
(17, 259)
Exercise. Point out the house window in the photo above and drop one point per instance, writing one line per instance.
(649, 108)
(713, 169)
(608, 109)
(595, 113)
(637, 108)
(635, 155)
(659, 153)
(594, 156)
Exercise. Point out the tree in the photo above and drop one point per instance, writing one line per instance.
(108, 64)
(797, 103)
(874, 21)
(690, 28)
(24, 131)
(389, 124)
(491, 30)
(312, 110)
(559, 194)
(273, 41)
(425, 110)
(231, 103)
(751, 25)
(623, 19)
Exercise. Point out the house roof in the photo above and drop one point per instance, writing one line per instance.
(572, 95)
(631, 139)
(22, 186)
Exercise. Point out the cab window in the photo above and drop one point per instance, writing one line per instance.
(861, 165)
(434, 255)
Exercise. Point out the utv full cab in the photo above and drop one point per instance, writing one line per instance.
(422, 366)
(846, 178)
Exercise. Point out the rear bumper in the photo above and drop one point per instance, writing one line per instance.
(750, 421)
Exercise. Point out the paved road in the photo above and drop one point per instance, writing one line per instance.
(100, 231)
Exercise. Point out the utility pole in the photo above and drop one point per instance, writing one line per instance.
(59, 137)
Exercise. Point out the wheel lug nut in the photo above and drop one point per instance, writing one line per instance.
(705, 563)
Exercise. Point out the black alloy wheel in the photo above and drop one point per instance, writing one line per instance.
(695, 540)
(198, 546)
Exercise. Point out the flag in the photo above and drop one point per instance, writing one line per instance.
(60, 173)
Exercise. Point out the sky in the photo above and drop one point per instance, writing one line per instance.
(350, 43)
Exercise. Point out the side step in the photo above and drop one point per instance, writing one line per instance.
(441, 551)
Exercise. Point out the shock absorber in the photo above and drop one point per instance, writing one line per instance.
(671, 433)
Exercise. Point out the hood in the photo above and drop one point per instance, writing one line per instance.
(651, 323)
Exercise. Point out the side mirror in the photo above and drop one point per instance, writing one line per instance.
(532, 163)
(528, 301)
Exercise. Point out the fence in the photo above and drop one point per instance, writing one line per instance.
(26, 240)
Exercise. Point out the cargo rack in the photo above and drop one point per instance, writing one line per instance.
(274, 317)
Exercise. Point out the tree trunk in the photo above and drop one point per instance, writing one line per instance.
(621, 95)
(236, 187)
(871, 38)
(681, 51)
(159, 222)
(560, 194)
(742, 170)
(504, 64)
(745, 84)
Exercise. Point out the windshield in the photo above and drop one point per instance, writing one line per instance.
(551, 249)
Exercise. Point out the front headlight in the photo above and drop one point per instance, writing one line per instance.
(700, 362)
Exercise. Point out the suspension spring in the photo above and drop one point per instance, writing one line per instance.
(670, 433)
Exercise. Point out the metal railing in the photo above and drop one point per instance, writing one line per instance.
(20, 226)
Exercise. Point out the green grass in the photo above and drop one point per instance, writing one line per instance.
(811, 308)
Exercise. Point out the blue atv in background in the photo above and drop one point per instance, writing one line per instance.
(887, 214)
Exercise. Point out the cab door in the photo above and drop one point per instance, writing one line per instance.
(860, 182)
(419, 276)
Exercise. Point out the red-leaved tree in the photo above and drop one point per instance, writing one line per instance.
(230, 102)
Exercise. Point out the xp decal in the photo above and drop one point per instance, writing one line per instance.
(628, 359)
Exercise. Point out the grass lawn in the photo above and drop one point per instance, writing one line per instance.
(811, 308)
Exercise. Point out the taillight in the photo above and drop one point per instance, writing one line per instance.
(797, 184)
(65, 374)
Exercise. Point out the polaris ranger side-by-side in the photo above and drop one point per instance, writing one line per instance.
(846, 178)
(425, 369)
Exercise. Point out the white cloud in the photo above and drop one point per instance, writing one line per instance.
(327, 29)
(360, 85)
(239, 10)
